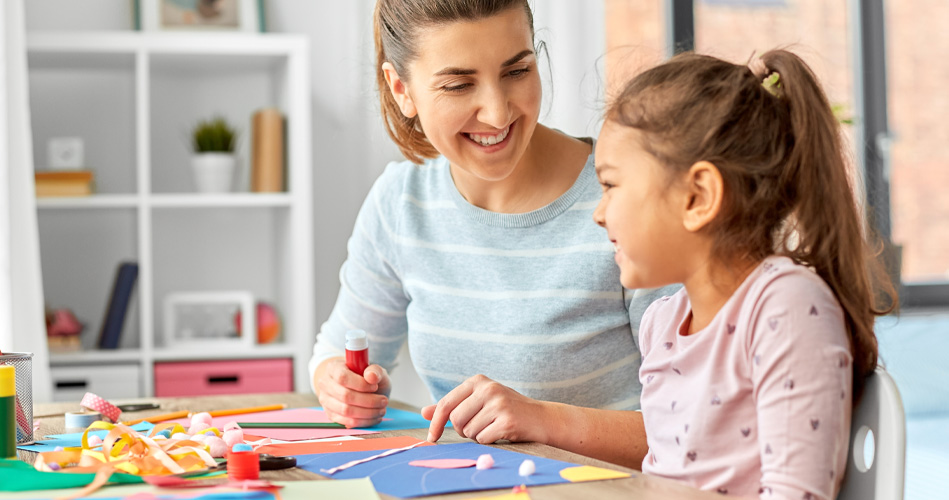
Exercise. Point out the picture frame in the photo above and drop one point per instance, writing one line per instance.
(209, 318)
(199, 15)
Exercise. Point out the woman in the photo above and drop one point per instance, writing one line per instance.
(479, 251)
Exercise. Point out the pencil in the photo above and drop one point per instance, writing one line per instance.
(159, 418)
(252, 409)
(290, 425)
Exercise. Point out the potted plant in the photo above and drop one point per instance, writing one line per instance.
(214, 162)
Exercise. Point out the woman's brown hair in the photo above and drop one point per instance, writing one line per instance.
(774, 138)
(396, 24)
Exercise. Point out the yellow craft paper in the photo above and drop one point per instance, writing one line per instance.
(590, 473)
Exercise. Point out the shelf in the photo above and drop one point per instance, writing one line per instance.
(230, 200)
(95, 357)
(224, 352)
(92, 201)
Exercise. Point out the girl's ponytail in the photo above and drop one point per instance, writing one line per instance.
(826, 229)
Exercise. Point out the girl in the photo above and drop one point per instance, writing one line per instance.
(478, 251)
(732, 181)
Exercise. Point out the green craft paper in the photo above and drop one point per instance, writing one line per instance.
(350, 489)
(21, 476)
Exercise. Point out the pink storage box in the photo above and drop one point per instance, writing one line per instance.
(201, 378)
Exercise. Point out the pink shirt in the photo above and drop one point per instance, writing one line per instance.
(758, 402)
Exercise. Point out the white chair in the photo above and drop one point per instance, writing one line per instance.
(881, 413)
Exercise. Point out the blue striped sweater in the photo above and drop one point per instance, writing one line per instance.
(531, 300)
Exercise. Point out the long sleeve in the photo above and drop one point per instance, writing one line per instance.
(802, 382)
(371, 296)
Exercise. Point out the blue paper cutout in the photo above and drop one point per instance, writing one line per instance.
(394, 476)
(400, 421)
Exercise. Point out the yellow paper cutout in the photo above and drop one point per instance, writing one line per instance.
(590, 473)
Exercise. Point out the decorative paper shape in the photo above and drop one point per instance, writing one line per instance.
(394, 476)
(590, 473)
(311, 448)
(444, 463)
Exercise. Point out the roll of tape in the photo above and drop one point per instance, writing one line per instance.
(79, 421)
(94, 403)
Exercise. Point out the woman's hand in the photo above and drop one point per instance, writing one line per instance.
(349, 399)
(486, 411)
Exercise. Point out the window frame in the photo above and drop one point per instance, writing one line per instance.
(871, 123)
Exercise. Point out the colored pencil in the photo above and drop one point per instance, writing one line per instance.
(252, 409)
(290, 425)
(159, 418)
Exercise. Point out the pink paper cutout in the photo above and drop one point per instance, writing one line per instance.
(444, 463)
(294, 415)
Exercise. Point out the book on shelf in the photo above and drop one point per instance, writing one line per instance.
(119, 299)
(63, 183)
(267, 152)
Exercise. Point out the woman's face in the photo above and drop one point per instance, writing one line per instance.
(476, 91)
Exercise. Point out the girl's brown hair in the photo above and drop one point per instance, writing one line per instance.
(772, 135)
(396, 24)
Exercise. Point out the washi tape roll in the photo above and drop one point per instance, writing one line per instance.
(95, 403)
(79, 421)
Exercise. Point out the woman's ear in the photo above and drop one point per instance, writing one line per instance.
(705, 191)
(399, 90)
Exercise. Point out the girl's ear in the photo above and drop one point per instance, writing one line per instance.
(399, 90)
(705, 190)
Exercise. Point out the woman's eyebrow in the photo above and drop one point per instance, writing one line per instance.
(454, 71)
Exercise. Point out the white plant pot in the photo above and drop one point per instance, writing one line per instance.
(214, 172)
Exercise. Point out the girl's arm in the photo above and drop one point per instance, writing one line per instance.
(486, 411)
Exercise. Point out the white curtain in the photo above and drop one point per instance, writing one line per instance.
(22, 328)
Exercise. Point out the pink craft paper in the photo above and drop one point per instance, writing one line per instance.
(444, 463)
(284, 416)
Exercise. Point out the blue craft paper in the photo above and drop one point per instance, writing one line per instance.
(394, 476)
(75, 439)
(401, 420)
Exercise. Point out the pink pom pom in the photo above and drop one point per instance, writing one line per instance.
(485, 461)
(233, 436)
(216, 447)
(198, 427)
(199, 438)
(231, 425)
(95, 440)
(180, 436)
(201, 418)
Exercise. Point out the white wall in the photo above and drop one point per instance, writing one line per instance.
(350, 146)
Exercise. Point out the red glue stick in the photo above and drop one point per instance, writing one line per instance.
(357, 351)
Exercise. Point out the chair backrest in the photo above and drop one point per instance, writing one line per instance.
(880, 412)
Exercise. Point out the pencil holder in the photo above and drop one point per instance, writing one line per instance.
(22, 362)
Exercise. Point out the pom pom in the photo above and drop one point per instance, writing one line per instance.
(199, 438)
(164, 433)
(58, 448)
(201, 418)
(233, 436)
(527, 468)
(210, 433)
(95, 440)
(198, 427)
(216, 447)
(54, 466)
(231, 425)
(242, 447)
(484, 462)
(180, 436)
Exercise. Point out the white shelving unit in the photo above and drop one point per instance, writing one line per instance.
(133, 97)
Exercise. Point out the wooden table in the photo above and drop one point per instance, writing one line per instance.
(637, 487)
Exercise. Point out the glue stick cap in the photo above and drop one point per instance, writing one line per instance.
(7, 381)
(356, 340)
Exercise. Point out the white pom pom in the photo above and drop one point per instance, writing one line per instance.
(233, 436)
(180, 436)
(527, 468)
(484, 462)
(198, 427)
(200, 438)
(201, 418)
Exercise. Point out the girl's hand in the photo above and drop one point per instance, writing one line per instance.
(352, 400)
(486, 411)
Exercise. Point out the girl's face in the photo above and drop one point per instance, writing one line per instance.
(476, 91)
(637, 210)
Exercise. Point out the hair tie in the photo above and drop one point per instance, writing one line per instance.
(772, 83)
